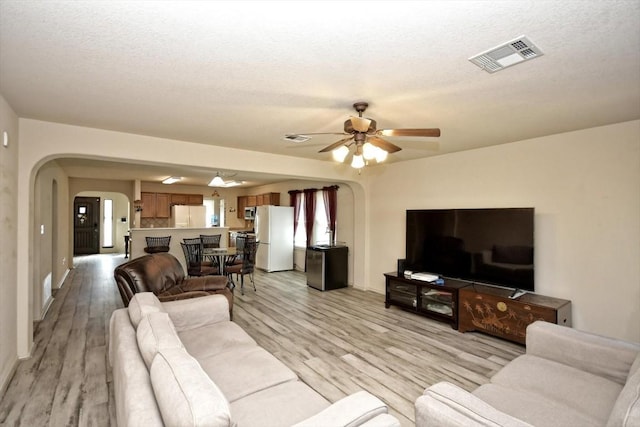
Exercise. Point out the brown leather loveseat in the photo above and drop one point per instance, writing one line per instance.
(162, 274)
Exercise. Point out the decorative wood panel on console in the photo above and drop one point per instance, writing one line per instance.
(489, 309)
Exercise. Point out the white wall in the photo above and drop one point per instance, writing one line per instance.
(585, 187)
(8, 231)
(51, 260)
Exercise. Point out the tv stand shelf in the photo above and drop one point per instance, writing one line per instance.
(490, 310)
(439, 302)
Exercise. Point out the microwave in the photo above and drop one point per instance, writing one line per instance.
(250, 213)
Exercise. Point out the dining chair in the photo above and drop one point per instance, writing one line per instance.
(210, 241)
(157, 244)
(248, 263)
(196, 266)
(237, 259)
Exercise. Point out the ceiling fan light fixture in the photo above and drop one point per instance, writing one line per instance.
(340, 153)
(357, 162)
(369, 151)
(381, 155)
(172, 180)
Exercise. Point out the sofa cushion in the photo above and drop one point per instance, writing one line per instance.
(626, 410)
(208, 341)
(590, 394)
(185, 394)
(281, 405)
(156, 332)
(260, 370)
(141, 304)
(534, 409)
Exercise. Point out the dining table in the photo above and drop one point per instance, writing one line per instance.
(221, 255)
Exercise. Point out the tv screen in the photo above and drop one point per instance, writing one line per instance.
(492, 246)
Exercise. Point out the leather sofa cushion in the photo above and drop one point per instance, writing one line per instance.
(142, 304)
(185, 394)
(156, 332)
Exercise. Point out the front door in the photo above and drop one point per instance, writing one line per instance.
(86, 225)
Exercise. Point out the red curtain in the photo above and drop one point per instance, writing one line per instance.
(309, 212)
(330, 195)
(295, 200)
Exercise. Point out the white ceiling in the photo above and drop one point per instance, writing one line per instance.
(243, 74)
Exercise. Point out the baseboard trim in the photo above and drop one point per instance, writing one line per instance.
(46, 307)
(63, 278)
(4, 383)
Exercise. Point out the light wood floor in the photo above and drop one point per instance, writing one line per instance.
(338, 342)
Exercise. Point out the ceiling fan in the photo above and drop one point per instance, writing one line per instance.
(364, 135)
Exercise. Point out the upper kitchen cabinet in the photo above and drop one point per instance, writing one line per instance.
(187, 199)
(163, 205)
(195, 199)
(155, 205)
(148, 205)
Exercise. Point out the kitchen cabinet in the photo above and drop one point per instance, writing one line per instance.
(271, 199)
(158, 205)
(242, 203)
(195, 199)
(178, 199)
(252, 201)
(163, 205)
(187, 199)
(148, 205)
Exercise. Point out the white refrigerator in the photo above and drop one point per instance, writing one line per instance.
(274, 234)
(184, 216)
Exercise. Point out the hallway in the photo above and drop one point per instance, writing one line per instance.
(66, 381)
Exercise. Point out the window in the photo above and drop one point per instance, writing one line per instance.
(214, 212)
(320, 225)
(107, 224)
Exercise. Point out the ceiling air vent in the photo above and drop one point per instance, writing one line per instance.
(506, 55)
(296, 138)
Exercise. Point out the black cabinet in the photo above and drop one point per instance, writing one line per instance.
(438, 302)
(327, 267)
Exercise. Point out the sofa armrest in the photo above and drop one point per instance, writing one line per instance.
(351, 411)
(204, 283)
(196, 312)
(447, 405)
(607, 357)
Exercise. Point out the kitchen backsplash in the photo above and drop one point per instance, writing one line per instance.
(154, 222)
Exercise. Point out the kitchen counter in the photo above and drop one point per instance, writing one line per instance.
(138, 243)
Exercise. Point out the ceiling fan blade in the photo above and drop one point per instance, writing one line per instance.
(315, 133)
(335, 145)
(385, 145)
(360, 123)
(409, 132)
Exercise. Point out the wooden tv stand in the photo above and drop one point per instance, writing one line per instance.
(489, 309)
(439, 302)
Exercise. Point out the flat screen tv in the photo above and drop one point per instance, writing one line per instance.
(491, 246)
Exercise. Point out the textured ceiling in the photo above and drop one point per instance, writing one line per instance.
(243, 74)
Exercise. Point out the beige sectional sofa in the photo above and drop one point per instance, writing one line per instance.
(566, 378)
(184, 363)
